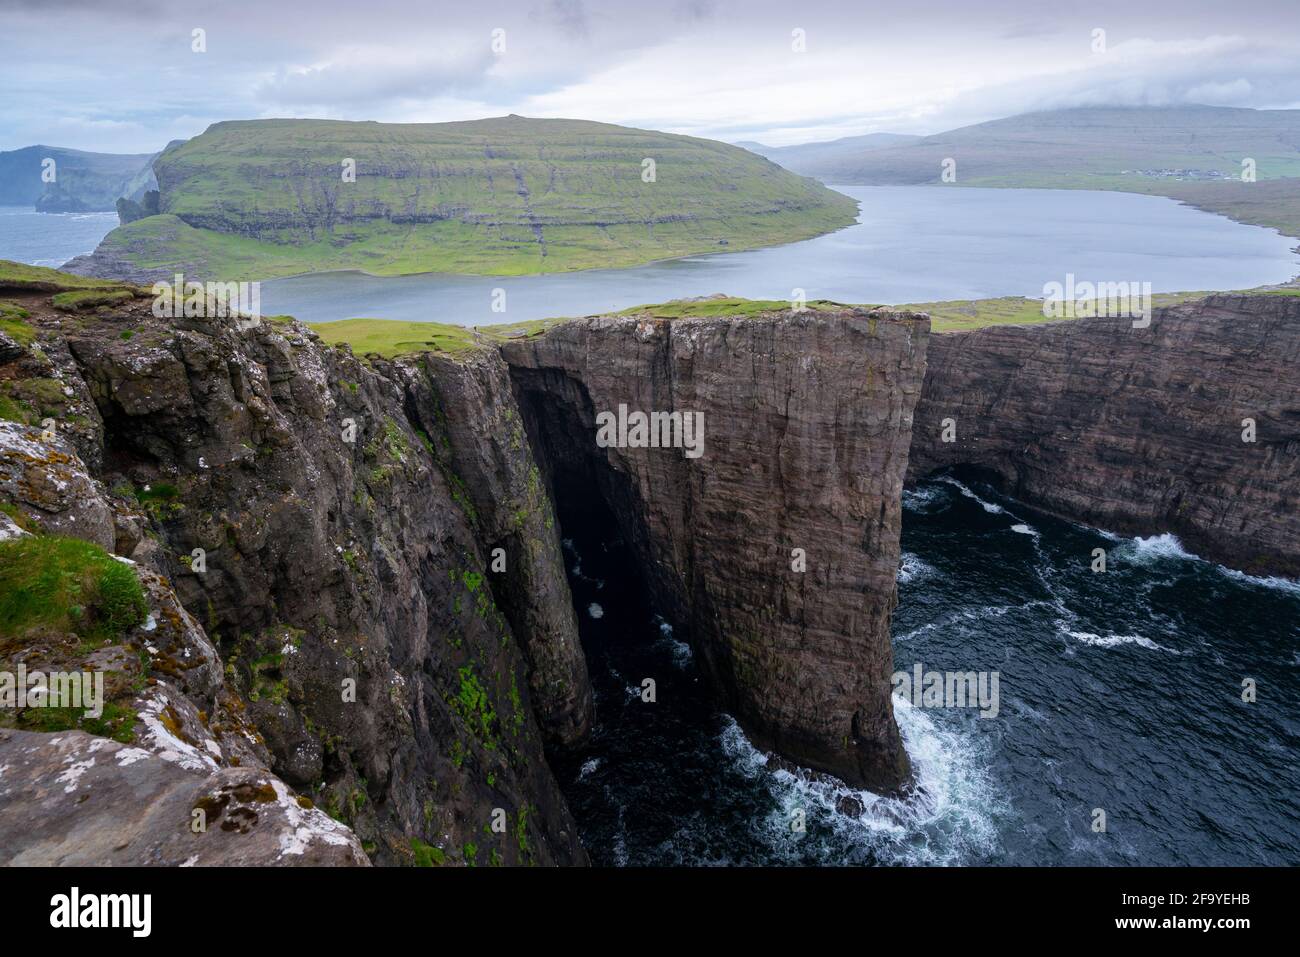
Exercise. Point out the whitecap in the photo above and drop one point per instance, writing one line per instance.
(1113, 641)
(921, 498)
(1158, 546)
(949, 817)
(911, 568)
(1168, 546)
(989, 507)
(595, 611)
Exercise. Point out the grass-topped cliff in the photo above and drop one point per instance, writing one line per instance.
(507, 196)
(77, 181)
(389, 338)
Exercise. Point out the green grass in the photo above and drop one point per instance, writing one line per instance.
(426, 855)
(22, 276)
(507, 196)
(48, 583)
(116, 721)
(725, 306)
(519, 330)
(31, 400)
(961, 315)
(12, 324)
(389, 338)
(81, 300)
(11, 310)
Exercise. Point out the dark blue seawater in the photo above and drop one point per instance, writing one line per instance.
(1119, 691)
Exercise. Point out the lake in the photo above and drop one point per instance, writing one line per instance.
(911, 244)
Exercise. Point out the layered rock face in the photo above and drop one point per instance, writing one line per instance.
(484, 446)
(776, 548)
(182, 744)
(1137, 431)
(358, 598)
(294, 500)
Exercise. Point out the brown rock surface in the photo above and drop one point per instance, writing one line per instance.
(72, 799)
(807, 421)
(330, 563)
(491, 458)
(1137, 431)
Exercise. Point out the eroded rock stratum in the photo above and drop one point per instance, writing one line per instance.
(776, 548)
(329, 628)
(356, 640)
(1136, 430)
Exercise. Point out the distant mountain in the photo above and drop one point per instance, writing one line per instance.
(1189, 153)
(263, 198)
(1103, 148)
(806, 157)
(82, 181)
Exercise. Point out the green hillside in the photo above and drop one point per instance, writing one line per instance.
(1189, 153)
(805, 155)
(1094, 147)
(83, 181)
(506, 196)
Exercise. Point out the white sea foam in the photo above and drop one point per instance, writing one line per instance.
(680, 651)
(920, 499)
(1024, 530)
(989, 507)
(981, 613)
(929, 626)
(1157, 547)
(948, 819)
(1113, 641)
(911, 568)
(595, 611)
(1168, 547)
(588, 768)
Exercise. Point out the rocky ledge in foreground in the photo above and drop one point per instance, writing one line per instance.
(316, 611)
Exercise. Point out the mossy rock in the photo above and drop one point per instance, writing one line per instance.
(84, 300)
(49, 583)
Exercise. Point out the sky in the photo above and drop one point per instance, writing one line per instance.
(128, 76)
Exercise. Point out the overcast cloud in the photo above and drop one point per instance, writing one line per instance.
(121, 77)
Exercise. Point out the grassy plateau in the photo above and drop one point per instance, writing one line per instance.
(260, 199)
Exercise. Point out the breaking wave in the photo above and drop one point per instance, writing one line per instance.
(949, 818)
